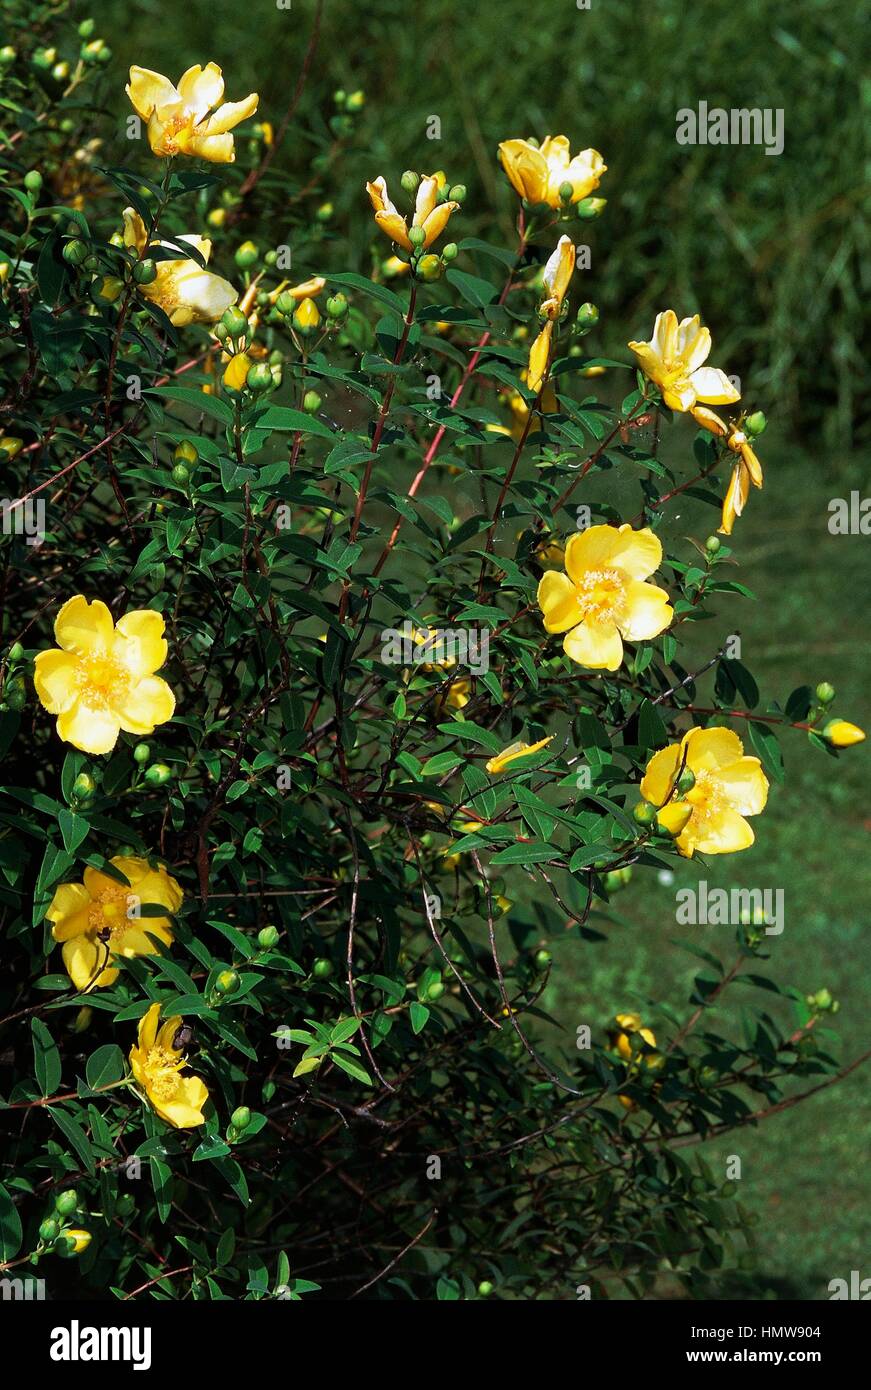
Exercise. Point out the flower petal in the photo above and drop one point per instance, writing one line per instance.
(185, 1109)
(139, 641)
(647, 613)
(435, 223)
(231, 114)
(147, 1031)
(596, 645)
(149, 90)
(91, 728)
(707, 749)
(722, 832)
(217, 149)
(84, 627)
(83, 958)
(745, 786)
(148, 703)
(526, 168)
(693, 343)
(201, 88)
(394, 226)
(658, 779)
(713, 386)
(558, 601)
(55, 677)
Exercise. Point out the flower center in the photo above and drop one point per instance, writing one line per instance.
(601, 595)
(167, 143)
(102, 680)
(162, 1069)
(108, 912)
(706, 798)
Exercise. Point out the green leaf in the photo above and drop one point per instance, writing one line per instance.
(46, 1058)
(104, 1066)
(11, 1234)
(352, 1068)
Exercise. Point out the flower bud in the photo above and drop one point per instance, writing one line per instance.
(268, 937)
(587, 316)
(337, 307)
(356, 101)
(485, 1288)
(157, 775)
(16, 651)
(86, 29)
(712, 544)
(417, 236)
(825, 693)
(643, 813)
(285, 303)
(49, 1229)
(33, 180)
(686, 781)
(72, 1241)
(565, 192)
(259, 377)
(10, 447)
(841, 734)
(145, 272)
(435, 991)
(430, 267)
(755, 423)
(409, 181)
(322, 968)
(588, 208)
(108, 290)
(141, 753)
(7, 55)
(324, 212)
(241, 1117)
(311, 402)
(306, 317)
(75, 252)
(66, 1202)
(246, 255)
(185, 452)
(234, 321)
(227, 982)
(181, 474)
(457, 193)
(61, 72)
(83, 787)
(340, 97)
(450, 252)
(217, 217)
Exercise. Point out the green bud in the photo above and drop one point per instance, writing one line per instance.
(430, 267)
(105, 54)
(588, 208)
(268, 937)
(756, 423)
(825, 693)
(543, 959)
(409, 181)
(241, 1117)
(644, 814)
(33, 180)
(322, 968)
(311, 402)
(450, 252)
(227, 982)
(181, 474)
(7, 55)
(86, 29)
(141, 753)
(67, 1202)
(587, 316)
(234, 321)
(485, 1288)
(145, 272)
(712, 544)
(75, 252)
(337, 307)
(566, 191)
(157, 775)
(84, 786)
(417, 236)
(435, 991)
(324, 212)
(49, 1229)
(613, 881)
(686, 781)
(60, 72)
(92, 263)
(458, 193)
(259, 377)
(340, 97)
(246, 255)
(356, 101)
(16, 651)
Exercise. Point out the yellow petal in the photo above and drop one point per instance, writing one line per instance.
(85, 961)
(149, 90)
(693, 344)
(558, 601)
(707, 749)
(539, 355)
(709, 420)
(184, 1111)
(148, 703)
(55, 677)
(596, 645)
(647, 611)
(665, 329)
(147, 1030)
(135, 233)
(674, 816)
(394, 226)
(559, 268)
(236, 371)
(139, 641)
(427, 192)
(515, 751)
(69, 899)
(231, 114)
(735, 498)
(660, 774)
(744, 785)
(526, 168)
(90, 727)
(637, 553)
(436, 222)
(217, 149)
(201, 88)
(722, 832)
(713, 386)
(84, 627)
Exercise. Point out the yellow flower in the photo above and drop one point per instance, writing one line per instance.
(307, 315)
(157, 1065)
(513, 752)
(183, 289)
(102, 679)
(602, 598)
(631, 1025)
(728, 786)
(747, 470)
(99, 918)
(459, 693)
(431, 216)
(841, 734)
(178, 117)
(557, 276)
(673, 360)
(77, 1240)
(538, 174)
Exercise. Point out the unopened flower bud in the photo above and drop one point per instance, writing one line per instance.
(430, 267)
(712, 544)
(587, 316)
(241, 1117)
(825, 693)
(686, 781)
(84, 786)
(10, 447)
(75, 252)
(457, 193)
(259, 377)
(234, 321)
(841, 734)
(755, 423)
(644, 813)
(49, 1229)
(588, 208)
(324, 212)
(145, 272)
(67, 1202)
(566, 191)
(417, 236)
(337, 307)
(227, 982)
(409, 181)
(72, 1241)
(311, 402)
(306, 317)
(158, 775)
(246, 255)
(33, 180)
(322, 968)
(268, 937)
(181, 474)
(450, 252)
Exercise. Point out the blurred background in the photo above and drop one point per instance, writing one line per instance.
(772, 252)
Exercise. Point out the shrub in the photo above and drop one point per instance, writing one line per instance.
(356, 700)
